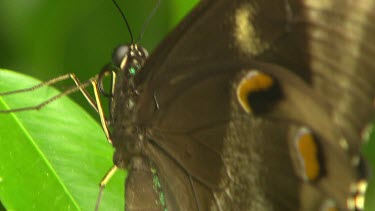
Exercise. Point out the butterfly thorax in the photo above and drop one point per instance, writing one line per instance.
(127, 135)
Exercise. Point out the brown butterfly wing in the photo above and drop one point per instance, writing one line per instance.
(198, 124)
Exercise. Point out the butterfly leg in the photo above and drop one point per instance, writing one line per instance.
(79, 87)
(103, 183)
(100, 111)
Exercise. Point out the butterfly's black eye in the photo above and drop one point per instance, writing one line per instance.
(119, 54)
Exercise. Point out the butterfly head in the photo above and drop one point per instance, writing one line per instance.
(129, 58)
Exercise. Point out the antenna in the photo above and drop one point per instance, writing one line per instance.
(148, 20)
(126, 21)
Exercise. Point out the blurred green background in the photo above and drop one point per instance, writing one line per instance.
(45, 38)
(48, 38)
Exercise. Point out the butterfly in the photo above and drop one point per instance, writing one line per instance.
(247, 105)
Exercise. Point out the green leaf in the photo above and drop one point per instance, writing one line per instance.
(54, 158)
